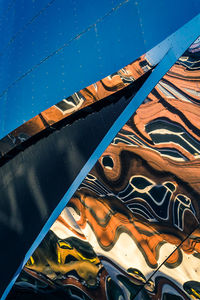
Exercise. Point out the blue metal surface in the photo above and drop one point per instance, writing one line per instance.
(50, 49)
(180, 44)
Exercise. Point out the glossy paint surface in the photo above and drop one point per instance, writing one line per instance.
(132, 227)
(79, 101)
(138, 207)
(36, 176)
(51, 49)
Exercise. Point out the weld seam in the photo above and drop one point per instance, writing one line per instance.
(79, 35)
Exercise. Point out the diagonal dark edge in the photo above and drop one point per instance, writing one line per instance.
(169, 59)
(80, 114)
